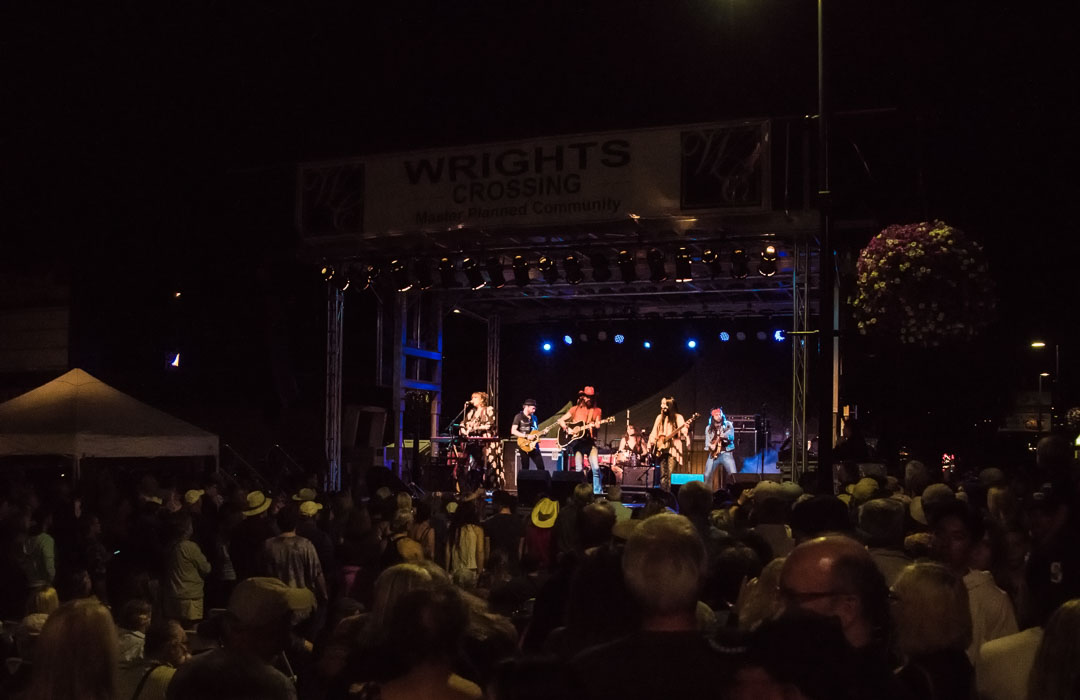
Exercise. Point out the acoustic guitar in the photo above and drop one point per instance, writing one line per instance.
(576, 430)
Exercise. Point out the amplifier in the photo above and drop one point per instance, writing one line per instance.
(640, 477)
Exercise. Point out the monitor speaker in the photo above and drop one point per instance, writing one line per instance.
(563, 483)
(531, 485)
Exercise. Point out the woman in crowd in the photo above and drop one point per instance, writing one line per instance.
(465, 547)
(76, 654)
(185, 571)
(933, 625)
(422, 529)
(1056, 673)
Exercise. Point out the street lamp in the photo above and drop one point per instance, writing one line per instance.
(1040, 400)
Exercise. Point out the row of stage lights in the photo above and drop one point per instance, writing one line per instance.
(778, 335)
(419, 273)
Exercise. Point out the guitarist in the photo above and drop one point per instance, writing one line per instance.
(586, 412)
(666, 440)
(524, 423)
(720, 446)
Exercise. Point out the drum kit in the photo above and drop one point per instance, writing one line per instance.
(466, 473)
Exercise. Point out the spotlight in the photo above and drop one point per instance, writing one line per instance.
(601, 272)
(496, 276)
(682, 266)
(646, 345)
(739, 265)
(691, 343)
(740, 335)
(447, 273)
(399, 273)
(779, 335)
(601, 336)
(761, 335)
(546, 347)
(574, 275)
(472, 273)
(620, 338)
(367, 276)
(655, 258)
(342, 280)
(327, 272)
(521, 271)
(547, 269)
(711, 258)
(725, 336)
(627, 266)
(767, 266)
(424, 278)
(568, 340)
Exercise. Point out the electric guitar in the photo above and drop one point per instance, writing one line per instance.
(721, 443)
(574, 431)
(663, 442)
(528, 443)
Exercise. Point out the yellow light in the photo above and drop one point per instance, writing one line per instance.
(176, 295)
(1044, 374)
(457, 311)
(1038, 344)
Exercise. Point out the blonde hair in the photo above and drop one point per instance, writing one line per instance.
(664, 564)
(43, 600)
(931, 610)
(390, 586)
(483, 397)
(76, 655)
(1055, 671)
(760, 599)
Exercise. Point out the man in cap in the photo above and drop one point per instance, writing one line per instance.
(525, 423)
(583, 415)
(256, 631)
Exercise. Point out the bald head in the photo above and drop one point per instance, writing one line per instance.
(836, 576)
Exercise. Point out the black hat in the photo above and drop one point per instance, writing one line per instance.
(528, 402)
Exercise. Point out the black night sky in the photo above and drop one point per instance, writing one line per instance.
(149, 147)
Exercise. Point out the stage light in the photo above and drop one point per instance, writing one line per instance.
(472, 273)
(767, 266)
(761, 335)
(779, 335)
(568, 339)
(424, 278)
(447, 273)
(342, 280)
(682, 266)
(739, 265)
(655, 259)
(521, 271)
(496, 275)
(601, 271)
(399, 273)
(601, 336)
(691, 343)
(327, 272)
(711, 259)
(572, 265)
(620, 338)
(547, 269)
(739, 335)
(627, 266)
(176, 295)
(1038, 344)
(175, 362)
(646, 345)
(546, 347)
(725, 336)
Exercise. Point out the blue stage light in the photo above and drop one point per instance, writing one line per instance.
(725, 336)
(620, 338)
(779, 335)
(568, 340)
(546, 347)
(647, 345)
(691, 344)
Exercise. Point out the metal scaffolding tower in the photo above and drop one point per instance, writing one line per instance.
(335, 322)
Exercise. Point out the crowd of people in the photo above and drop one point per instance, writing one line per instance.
(914, 584)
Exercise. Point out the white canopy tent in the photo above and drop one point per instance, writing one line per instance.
(79, 416)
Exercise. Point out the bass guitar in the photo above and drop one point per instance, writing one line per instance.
(663, 442)
(528, 443)
(574, 431)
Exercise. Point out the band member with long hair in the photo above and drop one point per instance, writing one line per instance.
(524, 423)
(631, 450)
(720, 446)
(587, 413)
(485, 458)
(667, 440)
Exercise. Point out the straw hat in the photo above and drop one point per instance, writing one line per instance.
(257, 502)
(309, 508)
(305, 495)
(544, 513)
(191, 497)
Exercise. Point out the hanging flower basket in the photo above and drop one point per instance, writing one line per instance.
(922, 284)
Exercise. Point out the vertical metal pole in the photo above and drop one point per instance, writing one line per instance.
(827, 335)
(436, 398)
(398, 385)
(494, 331)
(335, 318)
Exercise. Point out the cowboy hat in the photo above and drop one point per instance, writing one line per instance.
(544, 513)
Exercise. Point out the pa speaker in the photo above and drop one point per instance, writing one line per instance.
(531, 485)
(751, 478)
(563, 483)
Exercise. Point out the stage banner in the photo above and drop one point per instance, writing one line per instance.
(558, 181)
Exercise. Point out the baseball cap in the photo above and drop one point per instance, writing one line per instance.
(262, 600)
